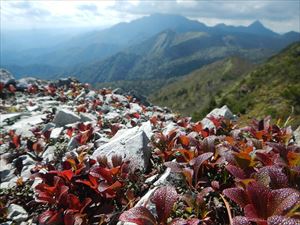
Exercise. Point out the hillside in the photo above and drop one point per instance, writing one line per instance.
(272, 88)
(269, 89)
(194, 94)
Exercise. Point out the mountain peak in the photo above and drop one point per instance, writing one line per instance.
(258, 28)
(257, 24)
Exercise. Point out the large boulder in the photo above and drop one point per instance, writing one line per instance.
(64, 117)
(131, 144)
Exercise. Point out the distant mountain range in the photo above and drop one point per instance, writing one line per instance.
(271, 88)
(158, 46)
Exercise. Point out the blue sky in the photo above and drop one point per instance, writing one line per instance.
(279, 15)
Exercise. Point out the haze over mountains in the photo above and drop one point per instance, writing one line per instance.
(159, 46)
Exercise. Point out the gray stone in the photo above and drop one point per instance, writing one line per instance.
(17, 213)
(64, 117)
(131, 146)
(87, 117)
(72, 144)
(48, 126)
(6, 172)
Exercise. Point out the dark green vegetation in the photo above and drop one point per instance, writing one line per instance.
(269, 89)
(273, 88)
(195, 93)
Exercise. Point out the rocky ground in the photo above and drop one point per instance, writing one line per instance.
(73, 155)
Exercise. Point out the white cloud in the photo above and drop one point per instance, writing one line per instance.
(280, 15)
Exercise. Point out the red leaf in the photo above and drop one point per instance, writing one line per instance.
(69, 132)
(92, 182)
(236, 171)
(50, 217)
(184, 141)
(282, 200)
(280, 220)
(101, 172)
(198, 162)
(240, 220)
(164, 198)
(103, 187)
(139, 215)
(16, 139)
(174, 166)
(47, 134)
(153, 120)
(237, 195)
(272, 176)
(180, 221)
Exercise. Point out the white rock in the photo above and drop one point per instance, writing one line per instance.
(64, 117)
(150, 180)
(9, 116)
(17, 213)
(48, 154)
(91, 95)
(110, 97)
(32, 108)
(217, 113)
(112, 115)
(133, 148)
(81, 95)
(221, 112)
(297, 136)
(126, 133)
(135, 108)
(24, 125)
(169, 127)
(207, 123)
(164, 178)
(56, 132)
